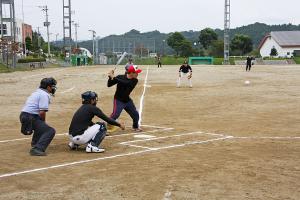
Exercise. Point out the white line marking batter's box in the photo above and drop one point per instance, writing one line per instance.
(160, 142)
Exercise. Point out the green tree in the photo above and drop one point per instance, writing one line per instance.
(175, 41)
(28, 43)
(186, 49)
(37, 41)
(241, 45)
(207, 37)
(217, 48)
(274, 52)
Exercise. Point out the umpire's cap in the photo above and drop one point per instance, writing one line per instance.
(45, 82)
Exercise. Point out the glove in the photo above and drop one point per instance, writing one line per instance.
(190, 76)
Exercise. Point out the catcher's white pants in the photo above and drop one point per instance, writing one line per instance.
(87, 136)
(185, 76)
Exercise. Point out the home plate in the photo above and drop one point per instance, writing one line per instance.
(142, 136)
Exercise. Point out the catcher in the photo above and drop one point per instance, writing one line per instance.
(185, 71)
(83, 131)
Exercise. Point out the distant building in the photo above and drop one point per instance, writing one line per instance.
(287, 43)
(22, 31)
(26, 32)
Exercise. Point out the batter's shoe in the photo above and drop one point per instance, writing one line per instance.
(73, 146)
(93, 149)
(137, 130)
(37, 152)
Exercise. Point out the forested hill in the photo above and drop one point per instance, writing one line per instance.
(154, 40)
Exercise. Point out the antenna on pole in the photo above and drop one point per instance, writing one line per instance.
(226, 32)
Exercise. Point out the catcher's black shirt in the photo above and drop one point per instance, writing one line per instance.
(124, 87)
(185, 69)
(82, 119)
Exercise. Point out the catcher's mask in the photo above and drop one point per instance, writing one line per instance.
(51, 82)
(88, 96)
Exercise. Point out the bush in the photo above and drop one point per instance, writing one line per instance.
(219, 61)
(29, 60)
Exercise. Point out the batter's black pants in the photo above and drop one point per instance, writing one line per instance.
(43, 134)
(129, 107)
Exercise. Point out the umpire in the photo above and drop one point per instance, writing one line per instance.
(33, 117)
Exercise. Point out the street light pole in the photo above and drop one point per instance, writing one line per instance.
(93, 36)
(76, 25)
(56, 35)
(163, 53)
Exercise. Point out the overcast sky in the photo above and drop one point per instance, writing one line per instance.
(119, 16)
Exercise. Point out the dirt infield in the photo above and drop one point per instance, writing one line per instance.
(220, 139)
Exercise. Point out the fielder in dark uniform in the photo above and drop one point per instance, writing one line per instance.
(158, 62)
(33, 117)
(185, 71)
(82, 129)
(249, 63)
(125, 84)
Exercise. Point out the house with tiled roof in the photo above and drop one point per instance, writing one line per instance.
(287, 43)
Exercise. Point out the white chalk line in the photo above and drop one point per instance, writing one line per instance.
(138, 146)
(137, 133)
(158, 138)
(108, 157)
(122, 155)
(68, 90)
(142, 97)
(27, 138)
(270, 138)
(113, 136)
(42, 74)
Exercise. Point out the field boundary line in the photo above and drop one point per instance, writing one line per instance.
(68, 90)
(112, 136)
(109, 157)
(42, 74)
(158, 138)
(142, 97)
(267, 137)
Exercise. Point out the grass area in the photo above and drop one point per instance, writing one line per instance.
(297, 60)
(21, 67)
(219, 61)
(169, 60)
(271, 58)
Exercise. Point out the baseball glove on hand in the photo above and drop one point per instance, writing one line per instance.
(190, 76)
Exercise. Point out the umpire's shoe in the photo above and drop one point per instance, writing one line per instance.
(37, 152)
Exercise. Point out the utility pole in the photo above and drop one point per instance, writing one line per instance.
(93, 37)
(97, 50)
(226, 32)
(47, 24)
(39, 40)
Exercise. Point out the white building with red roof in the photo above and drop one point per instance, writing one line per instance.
(285, 42)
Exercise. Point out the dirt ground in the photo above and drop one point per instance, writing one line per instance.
(221, 139)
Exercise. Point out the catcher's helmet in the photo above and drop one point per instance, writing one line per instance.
(45, 82)
(88, 96)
